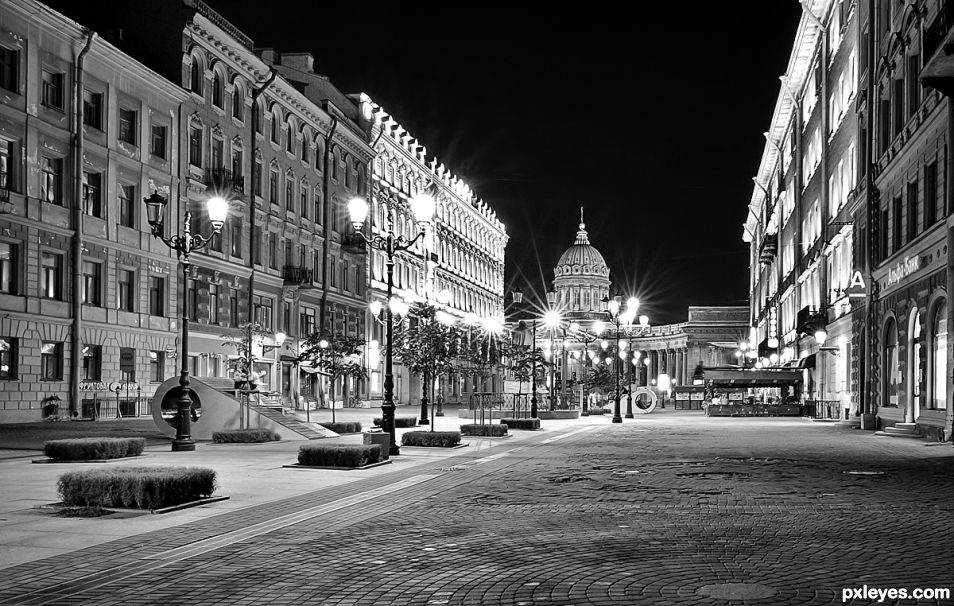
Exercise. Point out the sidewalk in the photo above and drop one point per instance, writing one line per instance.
(249, 474)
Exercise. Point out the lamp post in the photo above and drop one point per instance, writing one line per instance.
(185, 244)
(633, 369)
(423, 207)
(518, 299)
(625, 316)
(586, 338)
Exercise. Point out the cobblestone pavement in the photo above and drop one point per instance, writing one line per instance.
(663, 509)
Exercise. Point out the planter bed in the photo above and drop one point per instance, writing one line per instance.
(368, 466)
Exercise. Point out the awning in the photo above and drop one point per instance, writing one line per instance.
(311, 370)
(752, 378)
(807, 362)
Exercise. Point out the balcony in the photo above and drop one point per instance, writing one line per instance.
(293, 274)
(769, 249)
(222, 180)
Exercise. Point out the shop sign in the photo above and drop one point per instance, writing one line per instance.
(857, 286)
(111, 386)
(903, 269)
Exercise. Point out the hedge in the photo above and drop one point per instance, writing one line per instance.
(351, 427)
(398, 421)
(483, 430)
(256, 435)
(338, 455)
(82, 449)
(430, 438)
(533, 423)
(136, 487)
(595, 411)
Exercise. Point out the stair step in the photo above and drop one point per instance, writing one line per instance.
(911, 426)
(895, 434)
(901, 430)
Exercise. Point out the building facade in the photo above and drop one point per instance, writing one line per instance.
(872, 265)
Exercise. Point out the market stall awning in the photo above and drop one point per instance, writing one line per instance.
(752, 378)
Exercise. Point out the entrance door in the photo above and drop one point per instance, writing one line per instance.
(913, 410)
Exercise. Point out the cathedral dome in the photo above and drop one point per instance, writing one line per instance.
(581, 278)
(582, 259)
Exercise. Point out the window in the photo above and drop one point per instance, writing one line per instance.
(306, 320)
(914, 85)
(304, 149)
(896, 211)
(238, 103)
(92, 362)
(218, 153)
(52, 95)
(92, 194)
(258, 117)
(157, 362)
(213, 303)
(286, 316)
(273, 250)
(930, 195)
(157, 146)
(92, 283)
(8, 358)
(256, 245)
(195, 146)
(938, 362)
(318, 218)
(303, 199)
(127, 204)
(290, 139)
(263, 311)
(898, 106)
(157, 296)
(6, 164)
(51, 275)
(126, 290)
(236, 248)
(884, 228)
(192, 299)
(93, 109)
(9, 261)
(51, 361)
(289, 194)
(51, 180)
(912, 210)
(233, 308)
(127, 125)
(275, 129)
(891, 372)
(127, 363)
(257, 177)
(218, 90)
(237, 168)
(334, 166)
(914, 361)
(273, 186)
(10, 69)
(196, 76)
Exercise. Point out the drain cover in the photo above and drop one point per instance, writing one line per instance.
(737, 591)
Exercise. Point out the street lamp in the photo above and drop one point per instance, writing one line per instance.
(586, 338)
(279, 341)
(423, 208)
(185, 244)
(518, 299)
(625, 316)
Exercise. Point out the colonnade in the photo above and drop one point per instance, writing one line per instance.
(674, 362)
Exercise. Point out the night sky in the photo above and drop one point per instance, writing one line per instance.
(652, 121)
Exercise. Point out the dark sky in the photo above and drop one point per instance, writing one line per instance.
(650, 118)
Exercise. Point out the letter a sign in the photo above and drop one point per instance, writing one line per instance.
(856, 286)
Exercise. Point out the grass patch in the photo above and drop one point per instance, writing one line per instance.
(136, 487)
(338, 455)
(483, 430)
(533, 423)
(83, 449)
(398, 421)
(349, 427)
(244, 436)
(430, 438)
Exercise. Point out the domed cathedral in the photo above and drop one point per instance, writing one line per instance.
(581, 279)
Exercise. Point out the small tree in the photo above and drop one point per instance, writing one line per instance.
(339, 356)
(424, 347)
(242, 343)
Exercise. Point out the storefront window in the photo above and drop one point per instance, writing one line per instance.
(889, 364)
(939, 368)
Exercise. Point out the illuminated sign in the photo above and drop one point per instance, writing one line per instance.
(857, 286)
(903, 269)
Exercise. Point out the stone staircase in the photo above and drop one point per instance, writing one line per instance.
(901, 430)
(272, 411)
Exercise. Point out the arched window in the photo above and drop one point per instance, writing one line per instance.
(914, 363)
(890, 372)
(319, 154)
(347, 171)
(305, 138)
(290, 136)
(258, 112)
(218, 90)
(290, 192)
(334, 166)
(303, 203)
(238, 101)
(319, 217)
(938, 357)
(276, 120)
(196, 75)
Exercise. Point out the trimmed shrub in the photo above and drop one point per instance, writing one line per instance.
(533, 423)
(81, 449)
(483, 430)
(430, 438)
(236, 436)
(398, 421)
(596, 411)
(136, 487)
(338, 455)
(351, 427)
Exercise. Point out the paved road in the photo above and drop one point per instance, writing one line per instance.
(664, 509)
